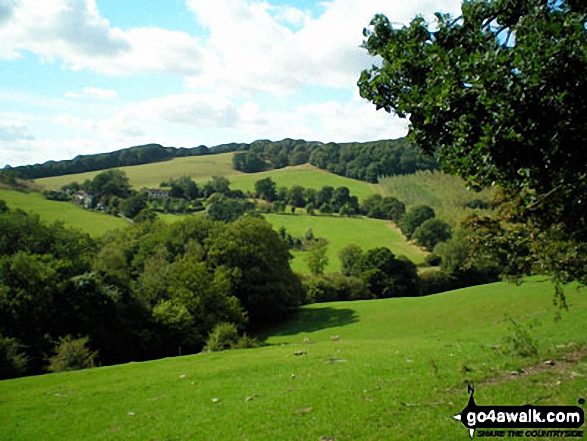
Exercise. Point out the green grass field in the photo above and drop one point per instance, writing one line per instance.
(398, 371)
(307, 176)
(200, 168)
(91, 222)
(446, 194)
(340, 232)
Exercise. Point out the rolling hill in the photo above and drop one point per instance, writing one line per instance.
(398, 369)
(446, 194)
(91, 222)
(340, 232)
(199, 168)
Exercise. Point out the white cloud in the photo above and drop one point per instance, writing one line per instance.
(74, 32)
(14, 132)
(93, 93)
(203, 111)
(250, 47)
(256, 51)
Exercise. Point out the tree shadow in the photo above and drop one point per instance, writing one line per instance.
(315, 319)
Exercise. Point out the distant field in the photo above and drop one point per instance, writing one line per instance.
(91, 222)
(200, 168)
(399, 370)
(340, 232)
(307, 176)
(446, 194)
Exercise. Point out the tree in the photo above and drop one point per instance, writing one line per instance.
(350, 259)
(110, 183)
(134, 205)
(340, 197)
(498, 95)
(414, 218)
(324, 196)
(266, 189)
(258, 263)
(316, 258)
(248, 162)
(297, 196)
(431, 232)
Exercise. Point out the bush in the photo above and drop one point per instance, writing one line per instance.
(246, 342)
(433, 259)
(12, 361)
(223, 336)
(71, 354)
(432, 232)
(334, 287)
(435, 281)
(520, 341)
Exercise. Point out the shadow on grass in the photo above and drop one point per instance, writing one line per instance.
(315, 319)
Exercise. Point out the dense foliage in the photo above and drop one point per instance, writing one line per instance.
(499, 96)
(148, 291)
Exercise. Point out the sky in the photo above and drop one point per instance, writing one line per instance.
(92, 76)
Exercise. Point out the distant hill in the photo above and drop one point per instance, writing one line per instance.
(363, 161)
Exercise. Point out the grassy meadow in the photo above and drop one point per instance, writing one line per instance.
(446, 194)
(200, 168)
(398, 371)
(91, 222)
(342, 231)
(307, 176)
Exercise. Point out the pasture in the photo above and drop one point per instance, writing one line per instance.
(91, 222)
(399, 369)
(306, 176)
(199, 168)
(342, 231)
(446, 194)
(202, 168)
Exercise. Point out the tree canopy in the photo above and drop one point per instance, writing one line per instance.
(499, 96)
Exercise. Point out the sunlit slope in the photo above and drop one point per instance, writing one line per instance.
(200, 168)
(397, 370)
(91, 222)
(306, 176)
(203, 168)
(342, 231)
(446, 194)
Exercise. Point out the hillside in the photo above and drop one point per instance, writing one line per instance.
(398, 371)
(91, 222)
(340, 232)
(446, 194)
(202, 168)
(199, 168)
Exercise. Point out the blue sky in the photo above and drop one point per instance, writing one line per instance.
(90, 76)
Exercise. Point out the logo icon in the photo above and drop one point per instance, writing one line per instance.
(518, 417)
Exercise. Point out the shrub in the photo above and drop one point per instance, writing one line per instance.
(520, 340)
(12, 361)
(433, 259)
(334, 287)
(434, 281)
(431, 232)
(223, 336)
(71, 354)
(246, 342)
